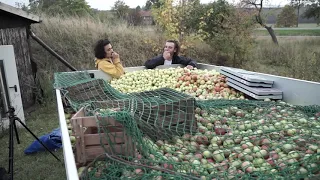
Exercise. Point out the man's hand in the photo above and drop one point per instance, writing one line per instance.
(114, 55)
(189, 67)
(166, 55)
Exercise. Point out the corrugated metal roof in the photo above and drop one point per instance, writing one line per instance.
(145, 13)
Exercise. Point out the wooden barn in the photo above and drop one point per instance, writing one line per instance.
(14, 27)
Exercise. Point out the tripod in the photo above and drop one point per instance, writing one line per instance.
(12, 120)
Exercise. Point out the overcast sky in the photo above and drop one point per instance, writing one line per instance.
(107, 4)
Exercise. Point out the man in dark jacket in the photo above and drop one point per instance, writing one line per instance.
(170, 56)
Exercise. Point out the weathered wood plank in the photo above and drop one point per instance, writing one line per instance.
(18, 38)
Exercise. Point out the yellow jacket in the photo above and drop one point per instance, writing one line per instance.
(114, 69)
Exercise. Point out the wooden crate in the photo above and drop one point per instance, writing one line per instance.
(89, 143)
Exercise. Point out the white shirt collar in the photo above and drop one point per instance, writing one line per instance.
(167, 62)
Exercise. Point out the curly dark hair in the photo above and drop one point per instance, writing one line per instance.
(176, 45)
(99, 52)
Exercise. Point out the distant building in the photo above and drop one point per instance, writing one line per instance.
(146, 17)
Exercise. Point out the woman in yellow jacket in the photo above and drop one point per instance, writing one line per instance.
(107, 60)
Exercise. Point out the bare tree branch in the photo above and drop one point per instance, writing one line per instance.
(259, 6)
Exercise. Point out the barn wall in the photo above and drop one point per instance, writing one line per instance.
(18, 38)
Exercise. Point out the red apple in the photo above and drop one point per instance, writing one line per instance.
(220, 131)
(271, 161)
(138, 171)
(210, 160)
(167, 166)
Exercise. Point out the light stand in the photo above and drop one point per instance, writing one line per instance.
(12, 120)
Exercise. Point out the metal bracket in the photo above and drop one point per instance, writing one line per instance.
(15, 88)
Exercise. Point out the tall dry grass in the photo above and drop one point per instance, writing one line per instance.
(295, 57)
(74, 38)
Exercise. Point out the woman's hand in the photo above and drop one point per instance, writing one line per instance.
(114, 55)
(189, 67)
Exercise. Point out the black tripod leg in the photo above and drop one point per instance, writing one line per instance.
(36, 138)
(11, 149)
(16, 131)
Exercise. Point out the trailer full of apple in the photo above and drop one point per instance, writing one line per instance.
(235, 137)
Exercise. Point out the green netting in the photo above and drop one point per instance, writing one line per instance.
(81, 94)
(234, 140)
(310, 110)
(164, 113)
(165, 134)
(66, 79)
(115, 167)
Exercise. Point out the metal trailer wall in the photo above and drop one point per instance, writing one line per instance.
(295, 91)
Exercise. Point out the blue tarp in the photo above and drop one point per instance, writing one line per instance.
(51, 140)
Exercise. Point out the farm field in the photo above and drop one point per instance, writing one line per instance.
(304, 29)
(289, 32)
(300, 26)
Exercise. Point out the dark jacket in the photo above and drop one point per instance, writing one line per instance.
(159, 60)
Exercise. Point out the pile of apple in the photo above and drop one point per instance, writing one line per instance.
(68, 116)
(233, 142)
(236, 142)
(202, 84)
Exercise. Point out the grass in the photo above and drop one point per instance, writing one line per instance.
(41, 165)
(302, 25)
(292, 58)
(289, 32)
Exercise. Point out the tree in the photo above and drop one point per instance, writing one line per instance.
(225, 28)
(21, 6)
(55, 7)
(121, 9)
(228, 30)
(258, 5)
(297, 4)
(152, 3)
(313, 11)
(214, 18)
(192, 21)
(172, 18)
(287, 17)
(148, 6)
(78, 7)
(134, 17)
